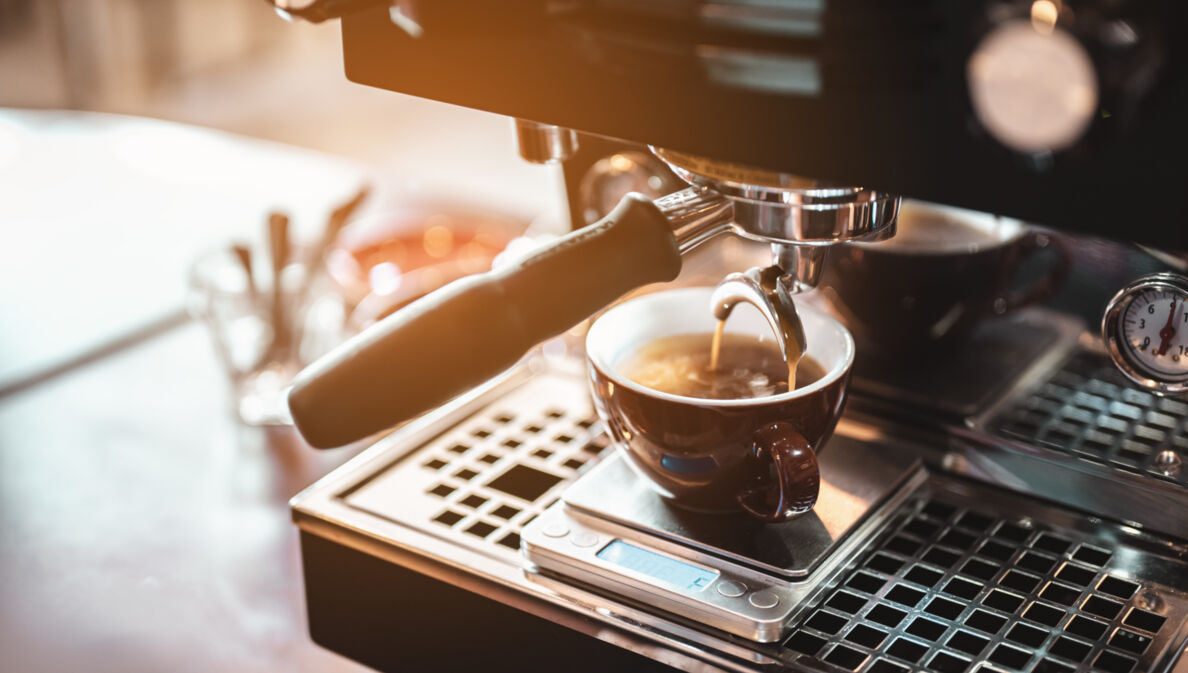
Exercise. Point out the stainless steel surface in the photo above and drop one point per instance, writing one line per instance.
(855, 480)
(943, 563)
(779, 208)
(803, 264)
(545, 143)
(1117, 323)
(800, 218)
(696, 216)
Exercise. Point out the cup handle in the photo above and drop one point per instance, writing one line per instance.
(798, 476)
(1045, 286)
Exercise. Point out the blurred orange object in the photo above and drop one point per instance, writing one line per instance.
(383, 262)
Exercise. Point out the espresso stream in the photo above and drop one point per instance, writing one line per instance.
(717, 366)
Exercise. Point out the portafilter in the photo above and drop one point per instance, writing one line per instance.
(466, 332)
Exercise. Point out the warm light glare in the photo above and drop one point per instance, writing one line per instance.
(1044, 14)
(438, 241)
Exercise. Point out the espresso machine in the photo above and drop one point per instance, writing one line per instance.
(1019, 505)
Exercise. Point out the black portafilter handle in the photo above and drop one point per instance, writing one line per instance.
(466, 332)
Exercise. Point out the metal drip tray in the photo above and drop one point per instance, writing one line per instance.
(956, 577)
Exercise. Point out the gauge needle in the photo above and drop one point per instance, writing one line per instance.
(1168, 331)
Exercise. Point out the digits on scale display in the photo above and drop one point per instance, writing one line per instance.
(663, 568)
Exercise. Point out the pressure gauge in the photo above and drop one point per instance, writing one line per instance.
(1145, 329)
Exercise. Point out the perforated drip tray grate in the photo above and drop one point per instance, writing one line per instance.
(1087, 409)
(484, 479)
(953, 588)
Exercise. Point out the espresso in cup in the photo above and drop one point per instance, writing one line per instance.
(755, 452)
(946, 270)
(746, 366)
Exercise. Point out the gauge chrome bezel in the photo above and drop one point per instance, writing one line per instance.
(1111, 325)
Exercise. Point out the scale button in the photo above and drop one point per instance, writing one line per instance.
(731, 589)
(764, 599)
(584, 539)
(555, 529)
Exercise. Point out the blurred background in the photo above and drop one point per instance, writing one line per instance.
(143, 526)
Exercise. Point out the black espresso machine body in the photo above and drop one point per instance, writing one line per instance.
(850, 91)
(1022, 507)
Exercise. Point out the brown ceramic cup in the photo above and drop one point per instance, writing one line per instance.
(920, 294)
(710, 455)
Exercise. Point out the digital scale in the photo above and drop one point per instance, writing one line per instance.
(611, 531)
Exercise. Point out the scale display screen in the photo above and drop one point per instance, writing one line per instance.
(663, 568)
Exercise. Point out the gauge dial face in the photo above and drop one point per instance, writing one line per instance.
(1154, 332)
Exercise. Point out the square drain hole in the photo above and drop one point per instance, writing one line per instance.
(1036, 562)
(473, 501)
(505, 512)
(958, 539)
(926, 576)
(846, 602)
(996, 550)
(511, 541)
(1052, 543)
(1116, 587)
(1073, 650)
(1102, 607)
(846, 657)
(1052, 666)
(1086, 628)
(524, 482)
(1064, 595)
(907, 650)
(968, 643)
(1043, 614)
(1075, 574)
(926, 628)
(1001, 600)
(884, 666)
(459, 448)
(1019, 581)
(884, 563)
(441, 490)
(942, 557)
(886, 615)
(979, 569)
(975, 521)
(1010, 531)
(962, 588)
(1130, 641)
(921, 528)
(948, 663)
(481, 529)
(436, 464)
(448, 518)
(943, 607)
(827, 623)
(805, 643)
(866, 636)
(1027, 635)
(865, 583)
(1092, 555)
(1011, 657)
(466, 474)
(906, 595)
(1147, 621)
(903, 545)
(987, 622)
(1114, 663)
